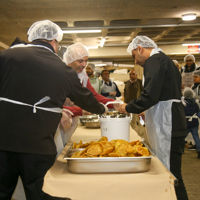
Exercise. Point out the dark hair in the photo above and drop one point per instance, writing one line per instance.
(104, 71)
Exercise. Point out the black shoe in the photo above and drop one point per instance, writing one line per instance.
(193, 147)
(198, 154)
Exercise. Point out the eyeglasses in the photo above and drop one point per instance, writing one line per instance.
(105, 73)
(132, 74)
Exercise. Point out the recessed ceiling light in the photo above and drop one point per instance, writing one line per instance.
(191, 44)
(81, 31)
(102, 42)
(92, 47)
(188, 17)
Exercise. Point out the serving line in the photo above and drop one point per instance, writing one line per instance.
(157, 183)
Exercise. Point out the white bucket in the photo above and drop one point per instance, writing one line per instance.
(115, 128)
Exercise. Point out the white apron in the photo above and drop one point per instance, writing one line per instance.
(19, 191)
(158, 120)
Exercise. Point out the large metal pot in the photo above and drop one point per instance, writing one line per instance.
(90, 121)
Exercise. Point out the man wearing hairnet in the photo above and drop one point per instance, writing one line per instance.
(161, 100)
(76, 57)
(34, 85)
(94, 80)
(187, 70)
(190, 65)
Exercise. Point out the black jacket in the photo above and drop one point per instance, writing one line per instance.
(162, 82)
(190, 109)
(28, 74)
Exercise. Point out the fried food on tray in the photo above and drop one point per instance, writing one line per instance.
(95, 149)
(114, 148)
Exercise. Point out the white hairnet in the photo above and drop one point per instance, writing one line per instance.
(188, 93)
(189, 56)
(92, 66)
(98, 72)
(175, 62)
(44, 29)
(197, 72)
(142, 41)
(74, 52)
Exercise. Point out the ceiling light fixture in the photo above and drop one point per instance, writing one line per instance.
(92, 47)
(188, 17)
(81, 31)
(191, 44)
(102, 41)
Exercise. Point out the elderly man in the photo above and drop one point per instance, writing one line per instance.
(94, 80)
(76, 57)
(161, 101)
(109, 88)
(132, 90)
(34, 86)
(133, 87)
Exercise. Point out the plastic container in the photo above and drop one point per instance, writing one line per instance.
(115, 128)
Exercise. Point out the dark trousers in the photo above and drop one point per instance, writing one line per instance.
(30, 167)
(175, 166)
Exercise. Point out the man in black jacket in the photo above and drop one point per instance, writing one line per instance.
(34, 84)
(161, 101)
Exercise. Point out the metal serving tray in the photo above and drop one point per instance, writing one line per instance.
(107, 164)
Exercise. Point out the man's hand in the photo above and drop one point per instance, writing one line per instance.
(84, 112)
(66, 120)
(122, 108)
(68, 102)
(142, 115)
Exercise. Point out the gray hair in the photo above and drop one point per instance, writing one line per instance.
(197, 72)
(188, 93)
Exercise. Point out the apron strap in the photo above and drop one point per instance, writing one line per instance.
(35, 107)
(191, 117)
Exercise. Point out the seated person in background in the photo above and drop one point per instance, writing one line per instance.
(190, 65)
(109, 89)
(191, 110)
(94, 80)
(133, 87)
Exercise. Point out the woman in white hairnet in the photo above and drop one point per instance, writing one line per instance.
(161, 100)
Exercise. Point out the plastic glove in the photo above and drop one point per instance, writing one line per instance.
(68, 102)
(66, 120)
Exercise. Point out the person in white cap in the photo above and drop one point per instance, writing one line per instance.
(34, 85)
(76, 56)
(161, 100)
(190, 65)
(94, 80)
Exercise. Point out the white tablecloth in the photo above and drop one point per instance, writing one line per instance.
(156, 184)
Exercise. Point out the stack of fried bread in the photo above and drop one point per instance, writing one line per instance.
(114, 148)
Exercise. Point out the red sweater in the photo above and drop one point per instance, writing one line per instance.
(77, 111)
